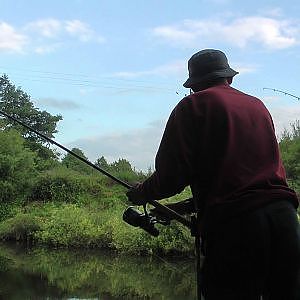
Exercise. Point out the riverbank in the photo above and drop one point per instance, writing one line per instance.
(92, 222)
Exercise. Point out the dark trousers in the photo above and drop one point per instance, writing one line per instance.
(254, 255)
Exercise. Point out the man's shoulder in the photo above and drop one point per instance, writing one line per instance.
(217, 95)
(227, 91)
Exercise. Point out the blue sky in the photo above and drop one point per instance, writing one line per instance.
(114, 69)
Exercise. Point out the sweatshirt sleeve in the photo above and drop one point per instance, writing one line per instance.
(175, 157)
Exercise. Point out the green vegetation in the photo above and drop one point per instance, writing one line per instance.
(48, 200)
(290, 149)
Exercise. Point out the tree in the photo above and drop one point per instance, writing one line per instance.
(102, 163)
(121, 165)
(17, 103)
(74, 163)
(17, 166)
(290, 152)
(123, 169)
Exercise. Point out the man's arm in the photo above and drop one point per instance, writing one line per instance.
(175, 159)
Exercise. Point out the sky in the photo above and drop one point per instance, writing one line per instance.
(114, 69)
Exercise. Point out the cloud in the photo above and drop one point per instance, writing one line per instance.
(272, 33)
(45, 35)
(10, 39)
(47, 27)
(53, 28)
(82, 31)
(177, 68)
(58, 103)
(138, 146)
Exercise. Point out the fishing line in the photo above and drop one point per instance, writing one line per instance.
(283, 92)
(170, 266)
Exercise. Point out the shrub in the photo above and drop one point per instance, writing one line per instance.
(56, 185)
(67, 226)
(7, 191)
(20, 227)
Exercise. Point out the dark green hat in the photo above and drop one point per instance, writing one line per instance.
(208, 64)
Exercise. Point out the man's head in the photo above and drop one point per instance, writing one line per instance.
(208, 67)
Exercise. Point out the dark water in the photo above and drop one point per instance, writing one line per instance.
(39, 273)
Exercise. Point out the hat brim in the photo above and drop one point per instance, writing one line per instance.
(213, 75)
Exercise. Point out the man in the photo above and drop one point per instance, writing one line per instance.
(222, 143)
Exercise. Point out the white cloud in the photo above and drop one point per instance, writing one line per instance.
(47, 27)
(45, 35)
(54, 28)
(269, 32)
(177, 68)
(138, 146)
(10, 39)
(82, 31)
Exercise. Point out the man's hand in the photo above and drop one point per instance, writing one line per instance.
(185, 207)
(135, 197)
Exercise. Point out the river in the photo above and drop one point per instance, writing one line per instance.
(40, 273)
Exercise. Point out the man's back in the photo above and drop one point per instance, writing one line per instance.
(237, 149)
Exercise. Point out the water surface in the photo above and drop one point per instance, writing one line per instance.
(39, 273)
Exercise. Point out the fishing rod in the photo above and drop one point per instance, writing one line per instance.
(171, 214)
(283, 92)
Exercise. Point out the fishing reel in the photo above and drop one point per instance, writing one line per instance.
(146, 220)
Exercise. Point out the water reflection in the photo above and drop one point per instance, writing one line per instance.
(39, 273)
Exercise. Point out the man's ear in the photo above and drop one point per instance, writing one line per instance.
(229, 80)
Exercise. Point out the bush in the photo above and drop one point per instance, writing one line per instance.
(7, 209)
(7, 191)
(57, 185)
(67, 226)
(20, 227)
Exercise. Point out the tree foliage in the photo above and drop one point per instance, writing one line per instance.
(290, 152)
(15, 102)
(70, 161)
(17, 166)
(102, 163)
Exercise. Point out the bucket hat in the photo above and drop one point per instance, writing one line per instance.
(207, 65)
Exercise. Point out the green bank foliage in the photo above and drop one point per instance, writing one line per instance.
(290, 150)
(61, 202)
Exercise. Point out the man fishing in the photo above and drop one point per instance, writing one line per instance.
(221, 142)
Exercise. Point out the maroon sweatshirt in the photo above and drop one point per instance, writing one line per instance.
(222, 143)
